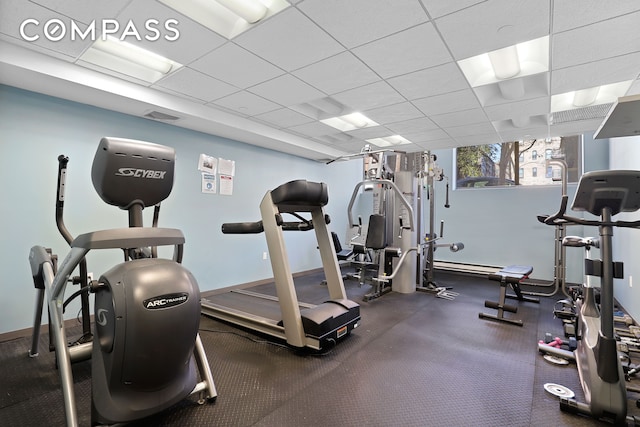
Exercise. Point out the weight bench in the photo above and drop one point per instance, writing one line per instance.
(510, 275)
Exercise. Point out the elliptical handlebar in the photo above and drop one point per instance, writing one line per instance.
(560, 217)
(62, 178)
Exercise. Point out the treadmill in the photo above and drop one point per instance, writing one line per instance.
(301, 325)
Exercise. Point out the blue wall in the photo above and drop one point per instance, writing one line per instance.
(35, 129)
(497, 225)
(625, 154)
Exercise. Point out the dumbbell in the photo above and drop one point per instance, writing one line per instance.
(558, 342)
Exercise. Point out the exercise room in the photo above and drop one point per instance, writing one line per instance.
(320, 213)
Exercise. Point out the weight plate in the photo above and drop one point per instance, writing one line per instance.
(555, 360)
(559, 390)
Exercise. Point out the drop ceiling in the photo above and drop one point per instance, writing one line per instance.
(395, 61)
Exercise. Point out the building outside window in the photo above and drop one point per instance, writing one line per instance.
(496, 164)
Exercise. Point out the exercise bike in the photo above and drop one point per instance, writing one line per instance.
(146, 352)
(604, 194)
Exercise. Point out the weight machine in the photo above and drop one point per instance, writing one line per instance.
(392, 254)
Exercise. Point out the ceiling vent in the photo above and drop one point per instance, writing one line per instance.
(586, 113)
(157, 115)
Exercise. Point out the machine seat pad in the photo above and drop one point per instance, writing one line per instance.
(512, 273)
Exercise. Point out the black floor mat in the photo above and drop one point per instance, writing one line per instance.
(416, 360)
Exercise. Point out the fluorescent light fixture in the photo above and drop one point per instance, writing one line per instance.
(249, 10)
(520, 60)
(584, 97)
(227, 17)
(129, 59)
(349, 122)
(389, 141)
(589, 96)
(505, 62)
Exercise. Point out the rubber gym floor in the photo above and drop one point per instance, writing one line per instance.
(416, 360)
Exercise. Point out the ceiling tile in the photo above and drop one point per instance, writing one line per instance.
(246, 103)
(82, 10)
(586, 44)
(393, 113)
(283, 118)
(336, 74)
(370, 132)
(539, 132)
(289, 40)
(438, 8)
(196, 85)
(493, 25)
(422, 124)
(401, 53)
(447, 103)
(569, 14)
(350, 147)
(471, 129)
(20, 11)
(356, 22)
(459, 118)
(575, 128)
(598, 73)
(236, 66)
(530, 107)
(424, 136)
(429, 82)
(286, 90)
(313, 129)
(477, 139)
(436, 144)
(400, 70)
(193, 40)
(370, 96)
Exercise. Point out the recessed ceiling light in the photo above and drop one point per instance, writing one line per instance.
(227, 17)
(520, 60)
(389, 141)
(349, 122)
(589, 96)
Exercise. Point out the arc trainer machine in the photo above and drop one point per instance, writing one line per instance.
(146, 353)
(284, 317)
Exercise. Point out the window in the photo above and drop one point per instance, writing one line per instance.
(504, 164)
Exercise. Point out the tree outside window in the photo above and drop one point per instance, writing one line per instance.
(496, 164)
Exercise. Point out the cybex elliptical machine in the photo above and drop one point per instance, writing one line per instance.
(146, 352)
(604, 194)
